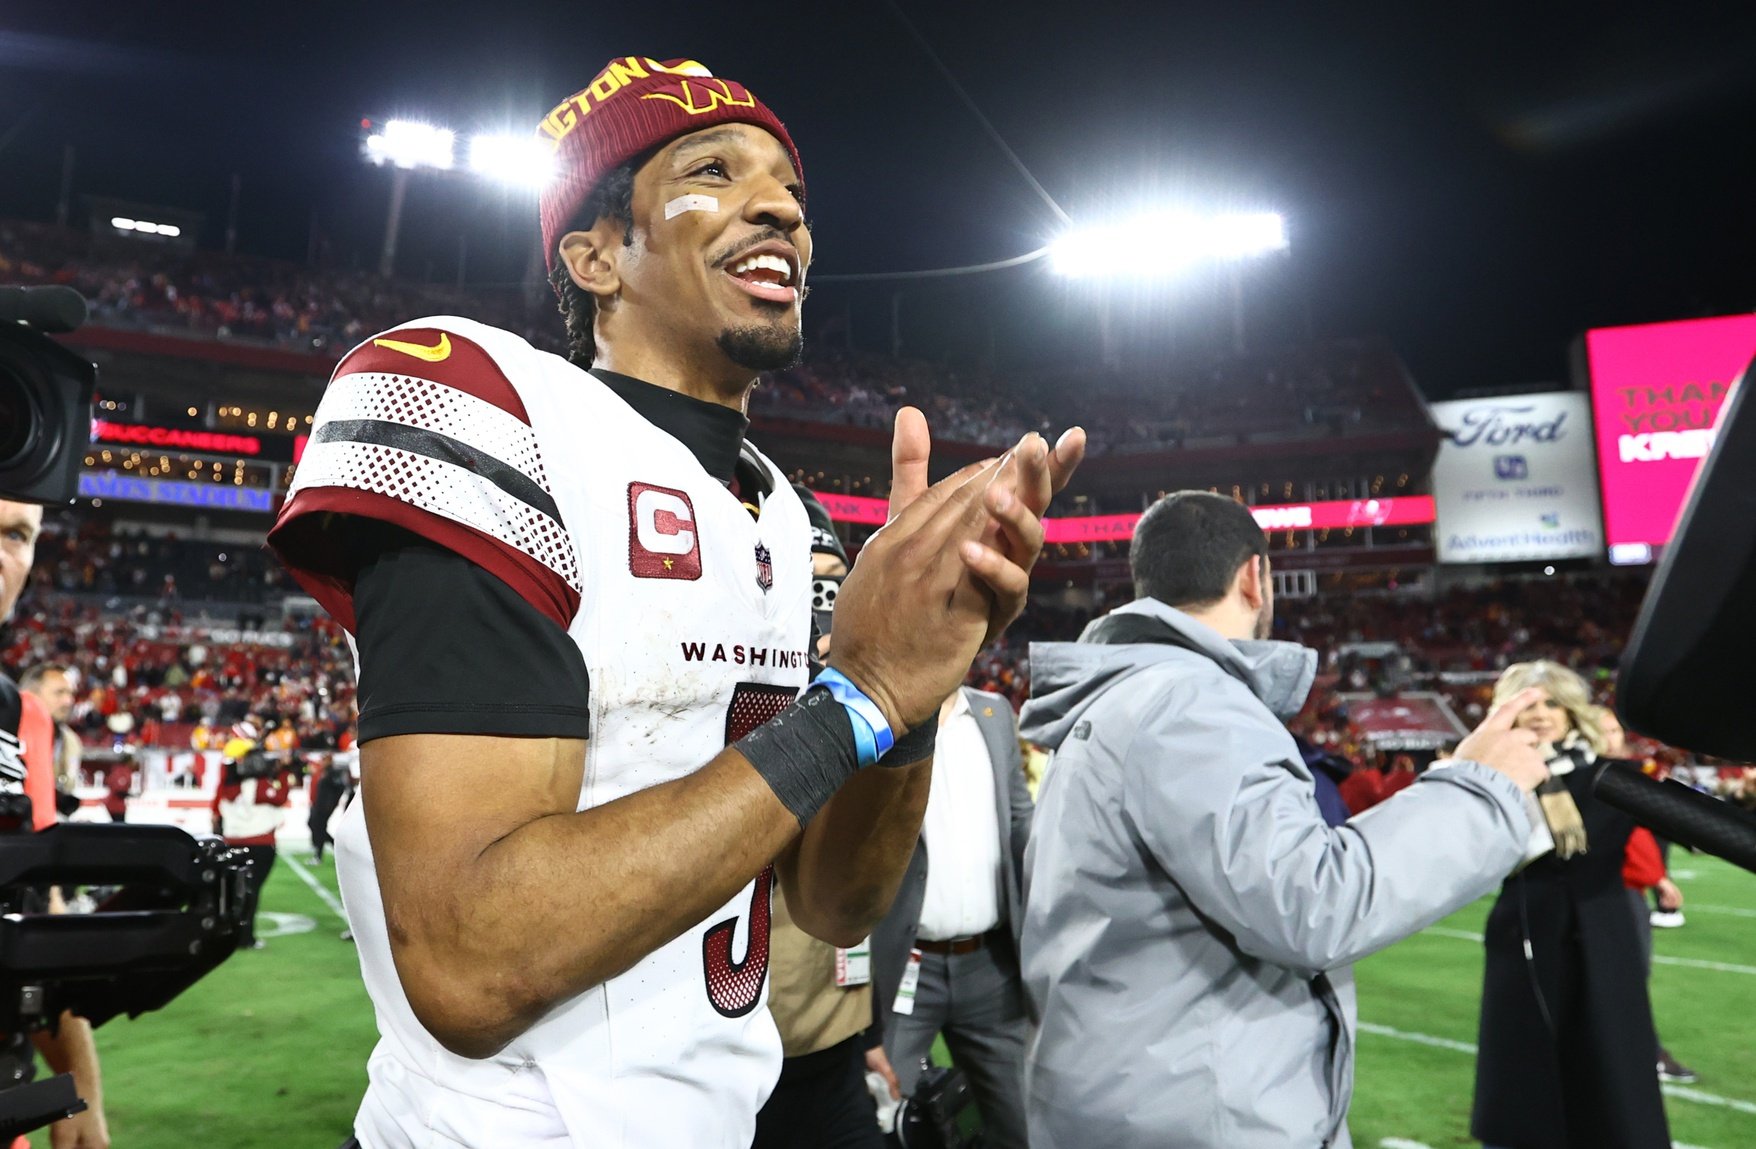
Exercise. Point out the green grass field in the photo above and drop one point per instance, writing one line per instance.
(1430, 987)
(269, 1051)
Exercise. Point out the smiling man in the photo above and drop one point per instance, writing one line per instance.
(581, 605)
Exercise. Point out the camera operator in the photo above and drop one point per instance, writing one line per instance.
(26, 742)
(249, 805)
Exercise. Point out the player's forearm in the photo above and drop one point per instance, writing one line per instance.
(851, 858)
(72, 1049)
(567, 901)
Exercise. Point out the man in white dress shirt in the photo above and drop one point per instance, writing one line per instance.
(945, 959)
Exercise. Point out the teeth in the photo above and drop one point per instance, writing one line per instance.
(764, 262)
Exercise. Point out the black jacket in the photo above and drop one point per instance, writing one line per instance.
(1583, 1075)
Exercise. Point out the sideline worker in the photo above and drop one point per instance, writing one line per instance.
(1190, 918)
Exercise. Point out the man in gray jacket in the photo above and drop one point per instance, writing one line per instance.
(1190, 918)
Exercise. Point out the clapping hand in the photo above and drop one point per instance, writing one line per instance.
(1018, 492)
(947, 572)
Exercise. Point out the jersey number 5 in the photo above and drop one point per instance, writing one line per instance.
(734, 987)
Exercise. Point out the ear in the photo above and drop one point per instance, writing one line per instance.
(1252, 581)
(593, 258)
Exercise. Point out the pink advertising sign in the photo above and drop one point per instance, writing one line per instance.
(1656, 390)
(1403, 510)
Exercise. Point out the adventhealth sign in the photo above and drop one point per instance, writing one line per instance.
(1515, 480)
(213, 496)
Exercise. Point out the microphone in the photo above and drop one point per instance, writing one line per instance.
(48, 309)
(1674, 811)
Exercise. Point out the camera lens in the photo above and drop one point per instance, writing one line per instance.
(45, 400)
(20, 420)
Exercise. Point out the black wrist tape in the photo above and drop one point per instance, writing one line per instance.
(805, 752)
(915, 746)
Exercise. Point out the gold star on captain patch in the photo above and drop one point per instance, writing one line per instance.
(670, 563)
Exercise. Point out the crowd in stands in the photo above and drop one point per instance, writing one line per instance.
(95, 590)
(1578, 621)
(1328, 389)
(149, 678)
(1327, 724)
(1482, 631)
(130, 614)
(837, 385)
(1003, 666)
(1456, 644)
(1453, 645)
(1325, 389)
(242, 297)
(84, 557)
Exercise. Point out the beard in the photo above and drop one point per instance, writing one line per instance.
(1265, 618)
(762, 347)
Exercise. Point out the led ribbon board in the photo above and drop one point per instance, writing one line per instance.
(1338, 514)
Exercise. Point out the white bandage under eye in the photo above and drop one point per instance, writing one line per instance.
(685, 203)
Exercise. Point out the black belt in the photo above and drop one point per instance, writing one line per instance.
(954, 946)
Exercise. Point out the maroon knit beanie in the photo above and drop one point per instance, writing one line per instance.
(636, 104)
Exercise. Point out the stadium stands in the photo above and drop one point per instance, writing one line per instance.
(1312, 393)
(1334, 420)
(151, 667)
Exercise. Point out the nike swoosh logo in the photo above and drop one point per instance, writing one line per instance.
(440, 350)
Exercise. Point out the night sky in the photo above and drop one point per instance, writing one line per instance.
(1478, 187)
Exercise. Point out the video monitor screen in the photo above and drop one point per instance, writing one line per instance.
(1656, 390)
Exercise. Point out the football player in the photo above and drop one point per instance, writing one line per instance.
(581, 606)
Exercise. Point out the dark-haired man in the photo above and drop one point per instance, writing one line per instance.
(581, 606)
(1190, 917)
(27, 766)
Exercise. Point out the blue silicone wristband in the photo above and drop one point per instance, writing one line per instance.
(872, 734)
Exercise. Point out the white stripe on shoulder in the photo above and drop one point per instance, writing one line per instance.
(433, 406)
(444, 489)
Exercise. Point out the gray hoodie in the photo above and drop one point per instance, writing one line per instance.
(1189, 917)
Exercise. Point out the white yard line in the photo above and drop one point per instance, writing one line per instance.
(1681, 1092)
(1405, 1143)
(1690, 1093)
(1418, 1038)
(1460, 935)
(317, 887)
(1734, 911)
(1660, 959)
(1702, 963)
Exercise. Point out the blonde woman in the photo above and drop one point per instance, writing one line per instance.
(1567, 1047)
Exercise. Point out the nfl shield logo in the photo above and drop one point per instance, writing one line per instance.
(764, 568)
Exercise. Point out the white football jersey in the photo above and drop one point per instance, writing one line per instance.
(693, 618)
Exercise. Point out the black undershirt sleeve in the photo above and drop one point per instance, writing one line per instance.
(447, 648)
